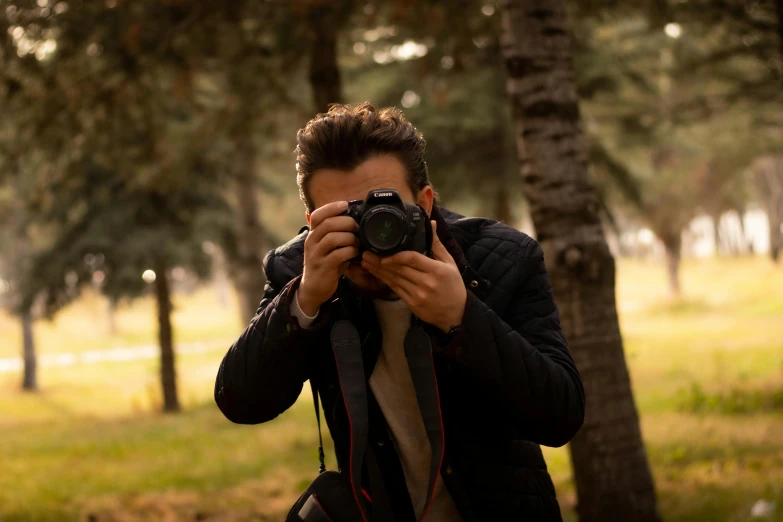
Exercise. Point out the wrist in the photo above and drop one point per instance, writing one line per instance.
(455, 319)
(446, 339)
(307, 304)
(446, 328)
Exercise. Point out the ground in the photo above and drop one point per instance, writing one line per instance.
(707, 372)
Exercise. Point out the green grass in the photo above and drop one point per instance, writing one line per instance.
(707, 372)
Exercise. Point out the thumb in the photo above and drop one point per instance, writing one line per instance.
(438, 250)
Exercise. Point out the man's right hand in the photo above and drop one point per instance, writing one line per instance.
(328, 249)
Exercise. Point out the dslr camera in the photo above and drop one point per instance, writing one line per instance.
(388, 225)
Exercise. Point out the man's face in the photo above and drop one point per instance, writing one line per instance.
(385, 171)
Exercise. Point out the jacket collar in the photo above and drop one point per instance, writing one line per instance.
(470, 277)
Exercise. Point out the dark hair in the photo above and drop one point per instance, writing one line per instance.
(348, 135)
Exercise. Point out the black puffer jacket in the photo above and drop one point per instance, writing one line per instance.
(507, 383)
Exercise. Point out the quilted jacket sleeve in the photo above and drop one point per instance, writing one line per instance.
(523, 362)
(262, 374)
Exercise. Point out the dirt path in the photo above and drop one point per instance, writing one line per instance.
(124, 354)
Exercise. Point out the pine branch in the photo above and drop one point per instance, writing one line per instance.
(618, 173)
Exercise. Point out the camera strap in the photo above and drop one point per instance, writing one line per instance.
(418, 351)
(346, 347)
(321, 458)
(347, 350)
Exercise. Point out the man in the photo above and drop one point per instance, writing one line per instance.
(505, 377)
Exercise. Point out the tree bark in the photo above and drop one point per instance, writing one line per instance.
(768, 178)
(779, 5)
(168, 373)
(503, 206)
(249, 277)
(775, 218)
(30, 380)
(673, 243)
(323, 23)
(744, 243)
(611, 471)
(774, 203)
(716, 230)
(775, 234)
(21, 246)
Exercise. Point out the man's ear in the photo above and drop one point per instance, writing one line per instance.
(426, 198)
(307, 217)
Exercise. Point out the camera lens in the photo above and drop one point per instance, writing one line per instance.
(384, 230)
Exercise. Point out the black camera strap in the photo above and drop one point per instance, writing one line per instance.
(346, 346)
(350, 368)
(321, 458)
(427, 232)
(347, 350)
(382, 510)
(418, 351)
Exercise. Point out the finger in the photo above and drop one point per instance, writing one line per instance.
(438, 249)
(333, 224)
(335, 208)
(387, 276)
(341, 255)
(410, 299)
(334, 240)
(417, 277)
(398, 279)
(411, 259)
(371, 258)
(400, 285)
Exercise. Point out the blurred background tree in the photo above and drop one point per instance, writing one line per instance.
(768, 178)
(670, 107)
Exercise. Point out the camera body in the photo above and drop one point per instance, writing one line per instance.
(388, 225)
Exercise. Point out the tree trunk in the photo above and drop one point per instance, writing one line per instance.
(775, 234)
(745, 241)
(611, 471)
(673, 243)
(768, 178)
(323, 23)
(716, 230)
(168, 372)
(775, 217)
(779, 5)
(738, 244)
(774, 204)
(20, 248)
(503, 206)
(249, 277)
(30, 380)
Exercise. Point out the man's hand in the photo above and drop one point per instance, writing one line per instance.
(328, 249)
(432, 288)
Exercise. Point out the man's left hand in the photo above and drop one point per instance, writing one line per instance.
(432, 288)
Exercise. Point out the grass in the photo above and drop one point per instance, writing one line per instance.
(91, 445)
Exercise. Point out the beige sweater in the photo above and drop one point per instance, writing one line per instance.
(393, 388)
